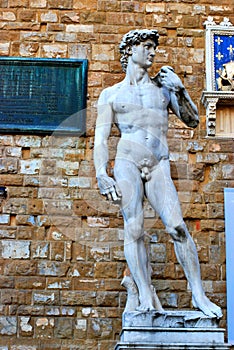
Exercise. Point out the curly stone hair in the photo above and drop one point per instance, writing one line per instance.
(135, 37)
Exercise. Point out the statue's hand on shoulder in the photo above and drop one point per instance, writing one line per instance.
(169, 79)
(109, 188)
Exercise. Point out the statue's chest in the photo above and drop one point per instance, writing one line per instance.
(134, 98)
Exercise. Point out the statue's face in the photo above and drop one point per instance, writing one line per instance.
(143, 54)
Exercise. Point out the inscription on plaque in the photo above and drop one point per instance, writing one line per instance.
(42, 95)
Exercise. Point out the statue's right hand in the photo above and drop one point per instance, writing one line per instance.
(109, 188)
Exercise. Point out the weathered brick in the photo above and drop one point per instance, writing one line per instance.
(215, 211)
(6, 140)
(40, 250)
(8, 166)
(27, 141)
(57, 251)
(35, 206)
(49, 16)
(103, 52)
(27, 15)
(100, 327)
(47, 268)
(25, 346)
(158, 252)
(68, 38)
(8, 325)
(78, 252)
(4, 219)
(68, 167)
(38, 3)
(98, 221)
(15, 249)
(21, 26)
(28, 49)
(56, 207)
(25, 326)
(55, 27)
(29, 220)
(58, 283)
(7, 282)
(80, 28)
(63, 328)
(110, 299)
(8, 232)
(22, 268)
(4, 3)
(228, 171)
(45, 298)
(210, 272)
(60, 4)
(44, 327)
(82, 207)
(22, 192)
(54, 50)
(30, 282)
(4, 49)
(157, 8)
(18, 3)
(92, 17)
(15, 206)
(13, 152)
(80, 328)
(70, 17)
(82, 4)
(78, 298)
(34, 310)
(16, 297)
(31, 167)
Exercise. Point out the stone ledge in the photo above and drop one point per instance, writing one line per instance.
(169, 319)
(171, 330)
(172, 335)
(172, 346)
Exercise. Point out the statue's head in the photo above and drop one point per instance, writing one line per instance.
(135, 37)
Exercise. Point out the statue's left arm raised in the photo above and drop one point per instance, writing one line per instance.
(180, 101)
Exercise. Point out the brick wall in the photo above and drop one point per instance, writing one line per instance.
(61, 250)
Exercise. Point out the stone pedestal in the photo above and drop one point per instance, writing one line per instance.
(172, 330)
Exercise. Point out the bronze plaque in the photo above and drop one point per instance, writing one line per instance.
(42, 95)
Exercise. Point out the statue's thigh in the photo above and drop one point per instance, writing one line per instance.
(162, 195)
(128, 178)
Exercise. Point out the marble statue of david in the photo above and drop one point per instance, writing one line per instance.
(139, 106)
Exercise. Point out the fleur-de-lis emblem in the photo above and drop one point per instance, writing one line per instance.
(219, 56)
(230, 49)
(219, 40)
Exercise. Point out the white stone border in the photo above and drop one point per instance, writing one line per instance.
(211, 96)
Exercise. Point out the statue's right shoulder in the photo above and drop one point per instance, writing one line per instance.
(108, 93)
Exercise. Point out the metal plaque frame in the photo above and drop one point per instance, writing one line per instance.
(40, 95)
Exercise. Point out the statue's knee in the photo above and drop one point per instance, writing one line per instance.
(133, 232)
(179, 233)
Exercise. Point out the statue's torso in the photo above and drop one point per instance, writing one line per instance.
(141, 113)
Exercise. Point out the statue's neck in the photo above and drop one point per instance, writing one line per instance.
(136, 75)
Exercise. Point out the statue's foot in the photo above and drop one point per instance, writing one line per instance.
(156, 301)
(147, 301)
(206, 306)
(145, 307)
